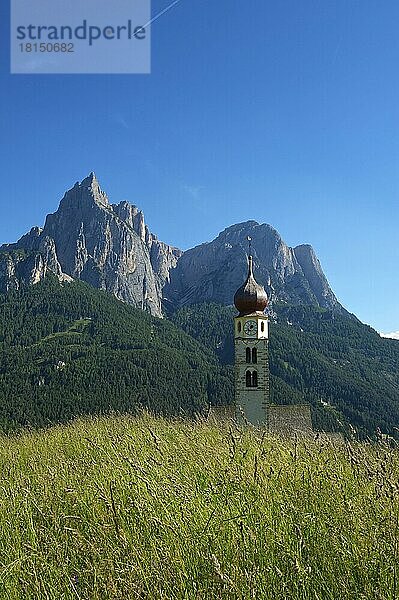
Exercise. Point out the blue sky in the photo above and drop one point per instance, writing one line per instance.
(283, 112)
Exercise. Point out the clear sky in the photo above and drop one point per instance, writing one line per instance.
(284, 112)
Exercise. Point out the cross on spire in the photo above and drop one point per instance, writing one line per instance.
(249, 245)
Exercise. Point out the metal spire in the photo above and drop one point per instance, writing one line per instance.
(250, 265)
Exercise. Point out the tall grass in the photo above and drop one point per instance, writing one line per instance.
(148, 508)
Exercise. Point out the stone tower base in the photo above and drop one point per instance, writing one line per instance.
(287, 419)
(284, 419)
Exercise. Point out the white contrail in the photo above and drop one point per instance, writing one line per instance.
(161, 13)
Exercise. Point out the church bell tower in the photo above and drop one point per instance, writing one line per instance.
(251, 341)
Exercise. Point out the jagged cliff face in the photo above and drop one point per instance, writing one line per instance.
(213, 271)
(17, 270)
(30, 262)
(108, 246)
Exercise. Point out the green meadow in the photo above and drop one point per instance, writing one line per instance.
(149, 508)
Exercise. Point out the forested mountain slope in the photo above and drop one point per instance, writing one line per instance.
(68, 349)
(342, 367)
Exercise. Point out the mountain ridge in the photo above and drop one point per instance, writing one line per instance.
(212, 271)
(106, 245)
(111, 247)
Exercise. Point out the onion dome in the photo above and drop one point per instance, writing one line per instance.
(250, 297)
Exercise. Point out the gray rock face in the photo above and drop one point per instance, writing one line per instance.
(29, 261)
(162, 257)
(108, 246)
(314, 276)
(213, 271)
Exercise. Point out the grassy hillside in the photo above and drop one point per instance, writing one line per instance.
(117, 508)
(67, 350)
(343, 367)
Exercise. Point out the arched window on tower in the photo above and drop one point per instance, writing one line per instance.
(262, 326)
(254, 356)
(248, 355)
(239, 326)
(248, 379)
(254, 378)
(251, 379)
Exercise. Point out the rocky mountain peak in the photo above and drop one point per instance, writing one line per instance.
(86, 194)
(111, 247)
(90, 179)
(213, 271)
(108, 246)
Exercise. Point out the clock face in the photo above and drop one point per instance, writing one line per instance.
(251, 327)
